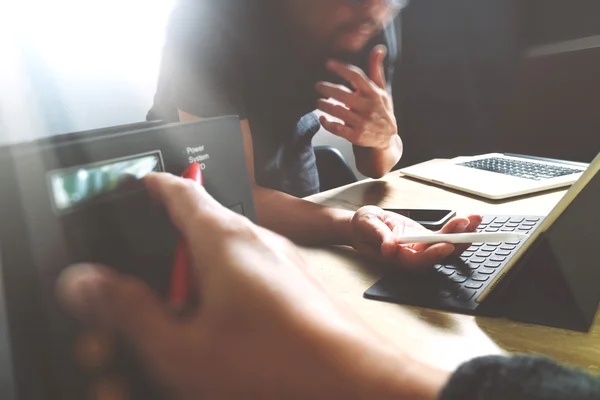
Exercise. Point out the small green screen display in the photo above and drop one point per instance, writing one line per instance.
(75, 186)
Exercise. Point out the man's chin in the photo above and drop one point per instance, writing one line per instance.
(349, 46)
(352, 43)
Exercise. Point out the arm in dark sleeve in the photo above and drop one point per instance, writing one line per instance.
(520, 378)
(200, 67)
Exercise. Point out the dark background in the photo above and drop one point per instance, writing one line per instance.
(465, 85)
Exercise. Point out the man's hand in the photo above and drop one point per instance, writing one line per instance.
(367, 114)
(374, 233)
(265, 327)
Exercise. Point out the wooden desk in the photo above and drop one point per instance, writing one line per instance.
(441, 338)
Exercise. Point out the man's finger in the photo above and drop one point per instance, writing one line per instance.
(455, 225)
(349, 117)
(474, 222)
(343, 95)
(337, 129)
(412, 259)
(376, 64)
(374, 231)
(354, 75)
(371, 251)
(184, 199)
(97, 295)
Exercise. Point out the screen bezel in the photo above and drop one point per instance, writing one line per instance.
(49, 174)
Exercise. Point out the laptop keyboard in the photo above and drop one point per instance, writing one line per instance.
(469, 274)
(521, 169)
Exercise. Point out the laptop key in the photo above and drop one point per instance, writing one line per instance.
(489, 247)
(495, 244)
(458, 278)
(532, 219)
(514, 243)
(445, 293)
(501, 220)
(438, 267)
(467, 253)
(491, 264)
(479, 277)
(515, 220)
(529, 224)
(477, 244)
(474, 285)
(472, 249)
(486, 271)
(446, 271)
(508, 229)
(491, 229)
(502, 253)
(524, 228)
(488, 220)
(477, 260)
(497, 259)
(484, 254)
(508, 247)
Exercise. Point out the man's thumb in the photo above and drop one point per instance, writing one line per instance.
(379, 234)
(98, 295)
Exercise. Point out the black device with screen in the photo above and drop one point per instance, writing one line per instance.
(430, 219)
(77, 198)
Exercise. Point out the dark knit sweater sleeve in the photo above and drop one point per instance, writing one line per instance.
(520, 377)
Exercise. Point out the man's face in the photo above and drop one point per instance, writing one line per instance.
(342, 25)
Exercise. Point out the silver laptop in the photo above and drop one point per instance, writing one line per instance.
(499, 176)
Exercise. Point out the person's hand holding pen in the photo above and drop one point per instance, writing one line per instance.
(265, 327)
(375, 233)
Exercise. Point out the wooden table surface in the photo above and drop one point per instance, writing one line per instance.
(444, 339)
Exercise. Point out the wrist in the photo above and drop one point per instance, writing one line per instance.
(393, 143)
(376, 162)
(342, 227)
(373, 368)
(388, 373)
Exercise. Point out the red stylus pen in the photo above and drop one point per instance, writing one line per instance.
(180, 273)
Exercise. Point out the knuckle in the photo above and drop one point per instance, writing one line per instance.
(135, 291)
(184, 188)
(340, 88)
(240, 227)
(357, 71)
(180, 187)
